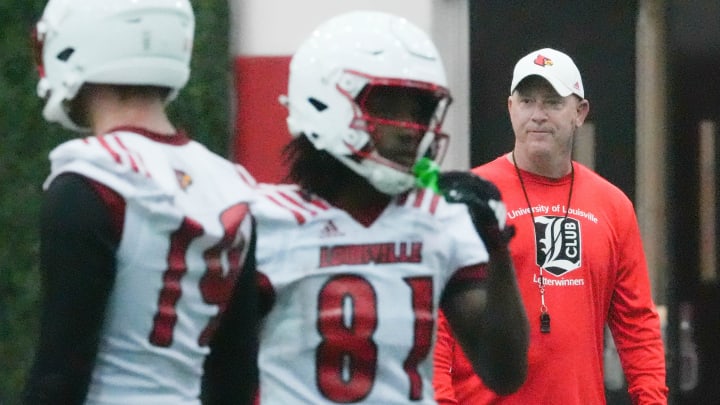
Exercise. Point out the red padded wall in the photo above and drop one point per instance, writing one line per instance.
(260, 130)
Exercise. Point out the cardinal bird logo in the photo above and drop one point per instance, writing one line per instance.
(543, 61)
(184, 179)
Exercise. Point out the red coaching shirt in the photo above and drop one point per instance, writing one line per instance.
(595, 273)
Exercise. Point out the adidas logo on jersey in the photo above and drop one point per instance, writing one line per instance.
(330, 230)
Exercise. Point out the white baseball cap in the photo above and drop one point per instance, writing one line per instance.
(552, 65)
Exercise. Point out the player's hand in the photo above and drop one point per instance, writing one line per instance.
(484, 203)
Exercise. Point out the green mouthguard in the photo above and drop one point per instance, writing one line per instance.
(426, 173)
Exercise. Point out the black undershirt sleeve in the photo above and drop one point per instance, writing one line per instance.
(78, 242)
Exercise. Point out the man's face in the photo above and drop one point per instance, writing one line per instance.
(399, 118)
(543, 121)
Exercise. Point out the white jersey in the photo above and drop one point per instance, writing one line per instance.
(185, 235)
(354, 306)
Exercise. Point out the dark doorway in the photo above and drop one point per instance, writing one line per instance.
(599, 36)
(694, 89)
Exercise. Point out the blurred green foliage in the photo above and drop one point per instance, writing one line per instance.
(202, 109)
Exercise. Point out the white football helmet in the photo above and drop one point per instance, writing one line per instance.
(342, 57)
(124, 42)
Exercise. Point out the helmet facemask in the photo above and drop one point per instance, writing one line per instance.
(360, 147)
(403, 121)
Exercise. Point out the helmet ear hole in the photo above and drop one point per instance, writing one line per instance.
(65, 54)
(319, 105)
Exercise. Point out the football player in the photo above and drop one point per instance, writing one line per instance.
(144, 232)
(355, 260)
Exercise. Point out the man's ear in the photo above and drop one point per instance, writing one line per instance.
(583, 109)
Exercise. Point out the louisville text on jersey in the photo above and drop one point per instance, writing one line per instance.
(391, 252)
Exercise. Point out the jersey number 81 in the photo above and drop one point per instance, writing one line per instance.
(347, 354)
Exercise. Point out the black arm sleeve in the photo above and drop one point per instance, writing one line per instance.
(231, 371)
(77, 263)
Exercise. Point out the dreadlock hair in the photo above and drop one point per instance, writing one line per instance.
(317, 171)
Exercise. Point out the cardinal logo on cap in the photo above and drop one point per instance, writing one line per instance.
(543, 61)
